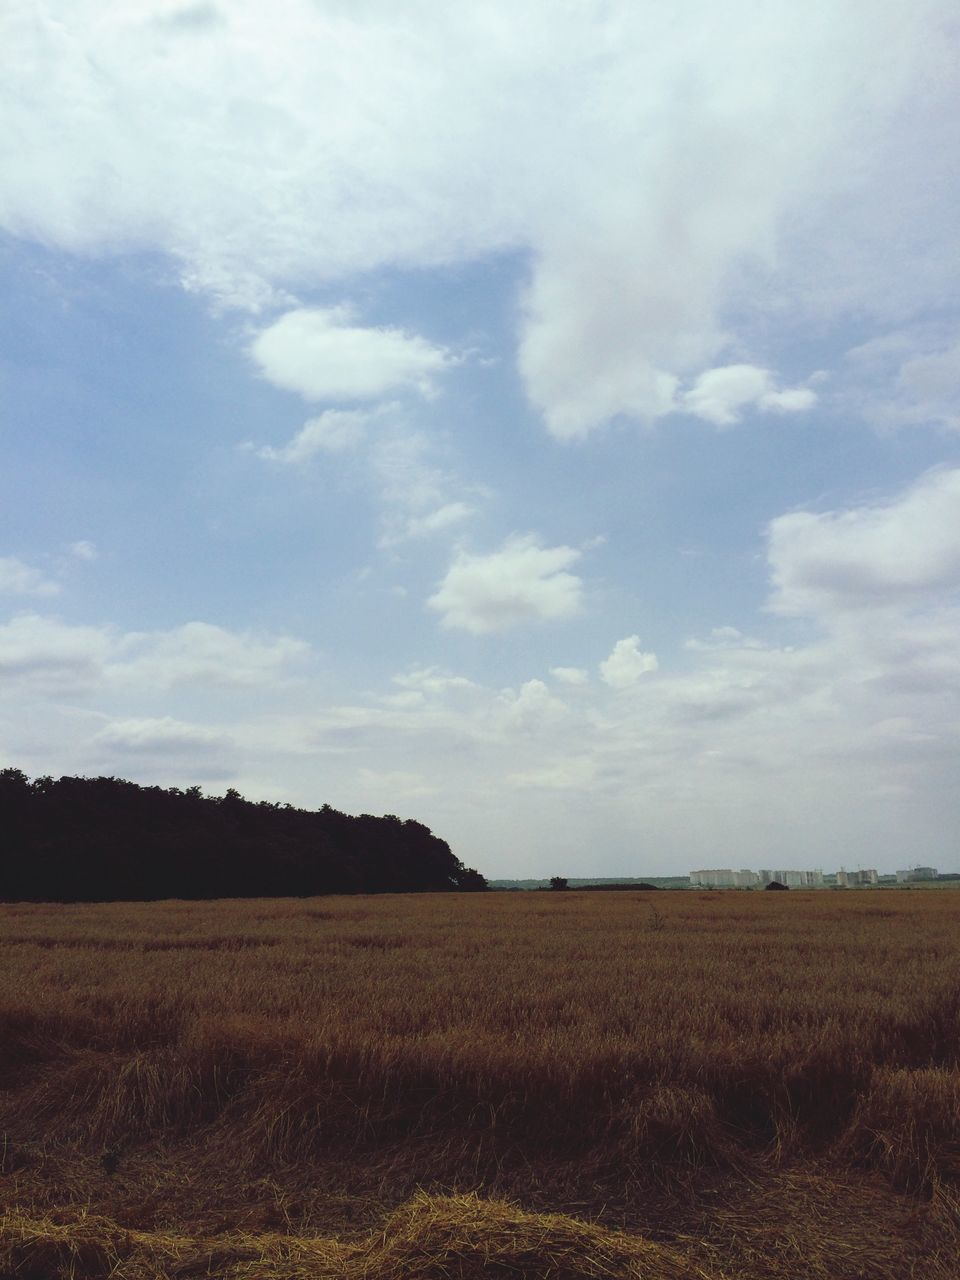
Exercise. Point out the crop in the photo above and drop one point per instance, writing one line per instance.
(551, 1047)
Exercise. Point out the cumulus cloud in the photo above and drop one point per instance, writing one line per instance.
(871, 556)
(20, 579)
(721, 395)
(654, 165)
(627, 664)
(320, 355)
(531, 708)
(521, 583)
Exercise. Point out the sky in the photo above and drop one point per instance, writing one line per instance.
(537, 419)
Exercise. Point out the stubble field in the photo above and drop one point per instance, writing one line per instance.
(713, 1085)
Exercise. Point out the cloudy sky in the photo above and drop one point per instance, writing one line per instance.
(539, 419)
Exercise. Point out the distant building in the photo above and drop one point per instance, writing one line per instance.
(857, 879)
(917, 873)
(724, 879)
(793, 879)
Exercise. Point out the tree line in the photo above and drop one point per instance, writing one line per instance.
(108, 840)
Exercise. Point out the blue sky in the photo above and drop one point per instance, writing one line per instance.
(537, 420)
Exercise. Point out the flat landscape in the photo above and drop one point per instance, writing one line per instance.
(672, 1084)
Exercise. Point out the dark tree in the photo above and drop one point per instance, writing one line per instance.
(559, 882)
(103, 840)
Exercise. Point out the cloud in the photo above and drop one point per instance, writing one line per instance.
(19, 579)
(720, 395)
(521, 583)
(46, 652)
(419, 497)
(627, 664)
(330, 432)
(672, 178)
(321, 356)
(436, 521)
(49, 652)
(907, 378)
(873, 556)
(160, 736)
(83, 550)
(531, 709)
(201, 653)
(432, 680)
(570, 675)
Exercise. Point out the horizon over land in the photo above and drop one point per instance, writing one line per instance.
(446, 443)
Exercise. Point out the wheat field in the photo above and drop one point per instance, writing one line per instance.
(569, 1084)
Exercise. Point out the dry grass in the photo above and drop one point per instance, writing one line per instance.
(429, 1238)
(552, 1046)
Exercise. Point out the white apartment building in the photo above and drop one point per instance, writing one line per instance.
(793, 879)
(724, 879)
(857, 879)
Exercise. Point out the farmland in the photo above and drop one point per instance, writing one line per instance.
(672, 1084)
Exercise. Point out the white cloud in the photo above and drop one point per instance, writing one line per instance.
(871, 556)
(330, 432)
(531, 709)
(432, 680)
(84, 550)
(676, 175)
(570, 675)
(720, 395)
(159, 736)
(48, 652)
(19, 579)
(321, 356)
(790, 400)
(416, 493)
(201, 653)
(521, 583)
(444, 517)
(627, 664)
(722, 638)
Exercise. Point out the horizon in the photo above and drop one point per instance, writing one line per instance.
(541, 424)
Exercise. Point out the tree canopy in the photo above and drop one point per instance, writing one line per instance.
(104, 839)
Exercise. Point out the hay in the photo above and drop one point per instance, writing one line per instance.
(430, 1238)
(908, 1124)
(466, 1237)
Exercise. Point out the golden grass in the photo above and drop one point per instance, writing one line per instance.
(556, 1047)
(429, 1238)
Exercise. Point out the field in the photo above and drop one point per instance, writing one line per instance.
(727, 1086)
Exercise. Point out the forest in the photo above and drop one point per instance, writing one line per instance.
(79, 839)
